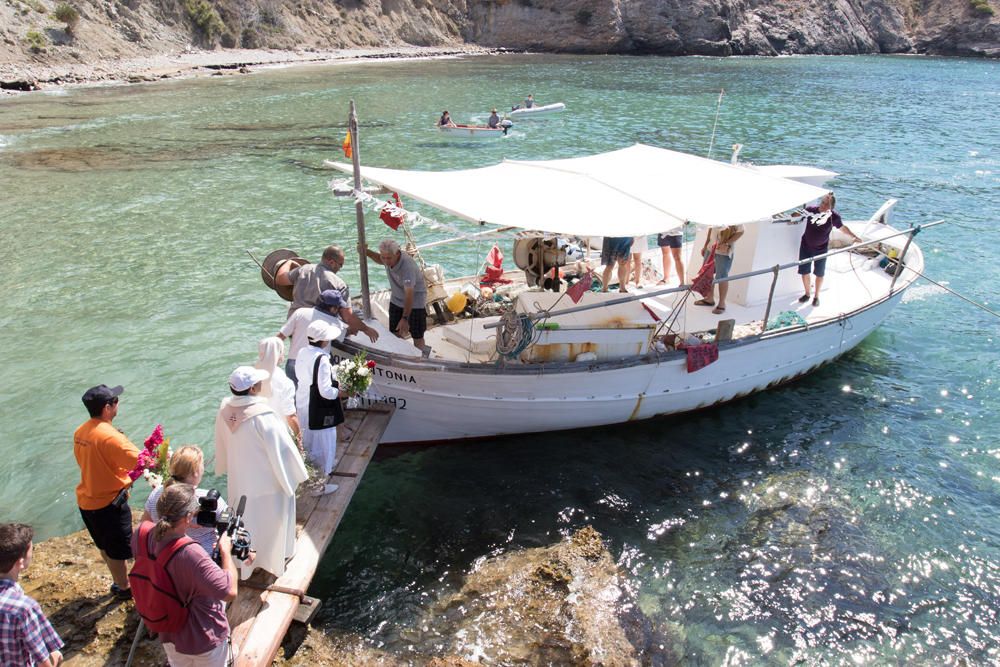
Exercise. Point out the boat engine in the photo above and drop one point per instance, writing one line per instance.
(538, 256)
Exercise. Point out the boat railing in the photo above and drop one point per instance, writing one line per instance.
(776, 269)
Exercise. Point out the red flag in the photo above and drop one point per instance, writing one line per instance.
(494, 264)
(577, 289)
(347, 145)
(388, 217)
(702, 355)
(702, 283)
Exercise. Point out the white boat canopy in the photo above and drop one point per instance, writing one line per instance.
(628, 192)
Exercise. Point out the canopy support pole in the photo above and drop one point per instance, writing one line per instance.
(366, 302)
(770, 297)
(899, 262)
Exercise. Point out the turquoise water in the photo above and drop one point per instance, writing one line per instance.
(851, 515)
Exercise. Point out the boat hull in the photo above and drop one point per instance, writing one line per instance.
(537, 112)
(471, 133)
(443, 402)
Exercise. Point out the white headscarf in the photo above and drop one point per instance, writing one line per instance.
(270, 353)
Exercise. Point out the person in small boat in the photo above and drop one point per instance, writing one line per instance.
(408, 299)
(670, 244)
(529, 102)
(494, 121)
(446, 120)
(616, 250)
(722, 239)
(816, 241)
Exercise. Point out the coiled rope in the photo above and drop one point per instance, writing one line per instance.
(514, 333)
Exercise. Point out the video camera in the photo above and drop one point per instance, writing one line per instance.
(226, 521)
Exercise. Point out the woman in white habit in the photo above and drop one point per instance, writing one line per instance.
(279, 390)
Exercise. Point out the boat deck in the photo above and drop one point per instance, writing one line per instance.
(852, 281)
(265, 606)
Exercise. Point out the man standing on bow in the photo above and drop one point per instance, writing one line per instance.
(254, 448)
(106, 457)
(816, 241)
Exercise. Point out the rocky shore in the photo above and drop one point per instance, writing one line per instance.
(23, 77)
(560, 604)
(106, 41)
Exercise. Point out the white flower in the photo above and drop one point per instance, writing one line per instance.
(363, 372)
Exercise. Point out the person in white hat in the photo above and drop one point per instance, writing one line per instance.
(254, 448)
(317, 397)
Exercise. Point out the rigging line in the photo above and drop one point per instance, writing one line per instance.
(718, 108)
(951, 291)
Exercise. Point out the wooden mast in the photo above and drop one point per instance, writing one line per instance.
(366, 303)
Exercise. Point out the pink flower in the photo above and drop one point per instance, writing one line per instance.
(155, 438)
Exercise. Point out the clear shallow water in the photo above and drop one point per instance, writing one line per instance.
(848, 515)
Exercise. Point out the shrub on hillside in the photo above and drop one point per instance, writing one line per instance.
(205, 19)
(66, 13)
(583, 16)
(982, 7)
(36, 41)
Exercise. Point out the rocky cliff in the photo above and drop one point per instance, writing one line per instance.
(107, 29)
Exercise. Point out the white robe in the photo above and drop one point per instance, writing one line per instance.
(321, 445)
(261, 462)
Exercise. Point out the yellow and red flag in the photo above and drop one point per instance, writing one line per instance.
(347, 145)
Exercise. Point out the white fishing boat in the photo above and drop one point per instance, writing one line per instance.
(475, 132)
(531, 360)
(537, 111)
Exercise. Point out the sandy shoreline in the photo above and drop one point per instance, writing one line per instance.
(23, 77)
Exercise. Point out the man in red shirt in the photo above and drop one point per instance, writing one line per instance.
(105, 457)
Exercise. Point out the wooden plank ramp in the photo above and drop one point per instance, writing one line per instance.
(264, 607)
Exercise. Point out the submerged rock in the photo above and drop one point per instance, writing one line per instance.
(563, 604)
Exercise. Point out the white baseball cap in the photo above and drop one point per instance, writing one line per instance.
(322, 330)
(245, 377)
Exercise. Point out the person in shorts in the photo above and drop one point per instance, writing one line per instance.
(816, 241)
(408, 292)
(106, 457)
(670, 244)
(616, 250)
(722, 239)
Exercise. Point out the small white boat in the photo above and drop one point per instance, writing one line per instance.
(537, 111)
(474, 132)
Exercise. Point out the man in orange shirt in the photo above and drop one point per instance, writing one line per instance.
(105, 457)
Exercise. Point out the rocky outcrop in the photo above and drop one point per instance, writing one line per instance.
(561, 604)
(115, 29)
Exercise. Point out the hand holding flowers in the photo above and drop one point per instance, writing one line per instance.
(355, 375)
(153, 459)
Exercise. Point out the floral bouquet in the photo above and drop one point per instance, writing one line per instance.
(355, 375)
(153, 462)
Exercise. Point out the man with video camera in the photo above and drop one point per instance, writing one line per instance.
(180, 592)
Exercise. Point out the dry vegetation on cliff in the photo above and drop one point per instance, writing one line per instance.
(40, 33)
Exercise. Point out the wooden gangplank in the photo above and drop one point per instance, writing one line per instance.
(264, 607)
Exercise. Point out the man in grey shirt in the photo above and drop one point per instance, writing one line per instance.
(408, 300)
(309, 281)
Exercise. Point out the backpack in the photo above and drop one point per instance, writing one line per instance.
(153, 588)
